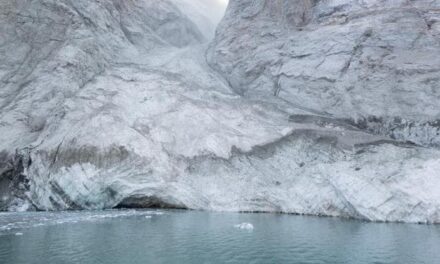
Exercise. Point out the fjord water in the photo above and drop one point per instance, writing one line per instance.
(130, 236)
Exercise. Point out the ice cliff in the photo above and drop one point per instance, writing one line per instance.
(310, 107)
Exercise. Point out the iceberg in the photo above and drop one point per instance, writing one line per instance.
(244, 226)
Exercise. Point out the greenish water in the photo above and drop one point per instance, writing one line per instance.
(203, 237)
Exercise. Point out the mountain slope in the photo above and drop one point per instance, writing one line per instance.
(109, 104)
(374, 62)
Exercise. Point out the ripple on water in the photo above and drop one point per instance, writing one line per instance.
(200, 237)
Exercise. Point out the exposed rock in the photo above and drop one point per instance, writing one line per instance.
(149, 202)
(14, 183)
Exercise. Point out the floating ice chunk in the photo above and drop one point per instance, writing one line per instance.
(148, 216)
(18, 234)
(245, 226)
(154, 212)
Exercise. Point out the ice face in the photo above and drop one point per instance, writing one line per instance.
(116, 106)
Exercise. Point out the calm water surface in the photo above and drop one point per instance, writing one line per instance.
(202, 237)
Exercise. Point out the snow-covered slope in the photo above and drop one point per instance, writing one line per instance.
(112, 104)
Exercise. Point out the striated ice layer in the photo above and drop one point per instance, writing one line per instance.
(109, 104)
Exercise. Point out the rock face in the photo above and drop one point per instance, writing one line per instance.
(375, 62)
(308, 107)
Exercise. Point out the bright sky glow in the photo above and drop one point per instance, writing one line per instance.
(223, 2)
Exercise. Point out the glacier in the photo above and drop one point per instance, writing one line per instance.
(309, 107)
